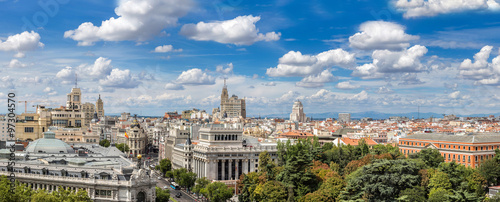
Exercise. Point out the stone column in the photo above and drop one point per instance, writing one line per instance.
(223, 164)
(230, 169)
(244, 166)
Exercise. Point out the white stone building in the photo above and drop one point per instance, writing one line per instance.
(298, 112)
(49, 163)
(221, 153)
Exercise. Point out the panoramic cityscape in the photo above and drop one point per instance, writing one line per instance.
(233, 100)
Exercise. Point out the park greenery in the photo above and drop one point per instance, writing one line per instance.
(23, 193)
(306, 171)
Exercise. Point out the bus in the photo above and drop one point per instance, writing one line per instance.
(174, 185)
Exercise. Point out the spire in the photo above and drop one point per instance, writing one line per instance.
(99, 96)
(225, 86)
(76, 80)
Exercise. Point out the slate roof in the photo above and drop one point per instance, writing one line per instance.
(467, 138)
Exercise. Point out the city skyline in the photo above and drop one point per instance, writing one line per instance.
(149, 57)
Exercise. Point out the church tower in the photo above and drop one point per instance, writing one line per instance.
(224, 96)
(99, 107)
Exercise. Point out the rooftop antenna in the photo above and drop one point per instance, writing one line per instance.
(76, 80)
(418, 113)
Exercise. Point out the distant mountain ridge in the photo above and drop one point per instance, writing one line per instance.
(374, 115)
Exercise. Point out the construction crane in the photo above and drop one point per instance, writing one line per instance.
(33, 101)
(25, 105)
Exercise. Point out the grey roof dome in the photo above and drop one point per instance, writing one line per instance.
(49, 144)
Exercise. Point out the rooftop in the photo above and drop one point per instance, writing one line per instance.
(468, 138)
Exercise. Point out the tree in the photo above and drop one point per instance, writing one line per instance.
(248, 183)
(201, 183)
(266, 165)
(162, 195)
(329, 190)
(23, 193)
(218, 192)
(383, 180)
(274, 191)
(177, 173)
(490, 170)
(415, 194)
(431, 157)
(457, 173)
(296, 173)
(187, 180)
(440, 180)
(104, 143)
(438, 195)
(165, 166)
(123, 147)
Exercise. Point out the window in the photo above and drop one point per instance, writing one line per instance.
(29, 130)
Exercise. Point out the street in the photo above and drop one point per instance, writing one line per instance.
(184, 198)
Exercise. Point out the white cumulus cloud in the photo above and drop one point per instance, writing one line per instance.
(454, 95)
(195, 77)
(315, 81)
(419, 8)
(174, 86)
(119, 79)
(386, 61)
(482, 71)
(21, 43)
(165, 49)
(239, 31)
(15, 63)
(381, 35)
(228, 70)
(346, 85)
(295, 64)
(138, 20)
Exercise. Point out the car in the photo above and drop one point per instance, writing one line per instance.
(178, 195)
(165, 187)
(159, 178)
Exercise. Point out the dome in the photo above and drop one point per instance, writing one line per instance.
(49, 144)
(135, 123)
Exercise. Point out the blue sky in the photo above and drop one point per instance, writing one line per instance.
(153, 56)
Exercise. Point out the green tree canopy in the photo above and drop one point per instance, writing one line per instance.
(274, 191)
(162, 194)
(490, 170)
(23, 193)
(165, 166)
(218, 192)
(187, 180)
(104, 143)
(431, 157)
(415, 194)
(123, 147)
(201, 183)
(383, 180)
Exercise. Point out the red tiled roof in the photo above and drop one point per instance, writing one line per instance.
(354, 142)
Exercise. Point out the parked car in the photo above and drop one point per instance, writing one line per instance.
(159, 178)
(178, 195)
(165, 187)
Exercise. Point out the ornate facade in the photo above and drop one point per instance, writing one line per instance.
(231, 107)
(297, 114)
(105, 173)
